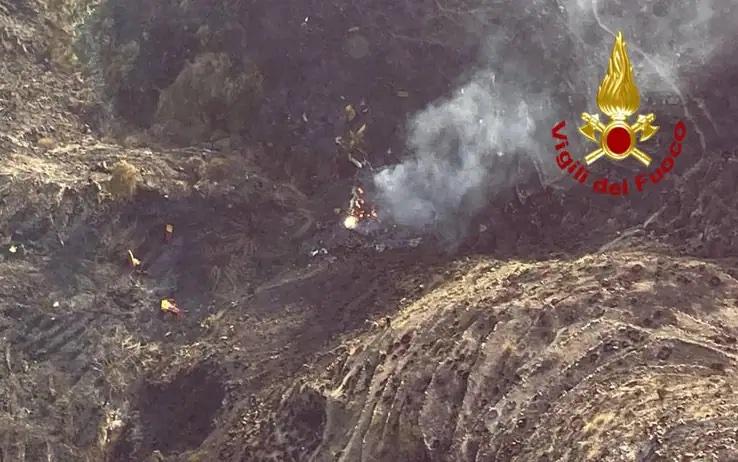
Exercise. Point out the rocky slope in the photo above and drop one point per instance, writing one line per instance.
(569, 329)
(623, 355)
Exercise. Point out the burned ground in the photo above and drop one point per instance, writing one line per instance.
(610, 336)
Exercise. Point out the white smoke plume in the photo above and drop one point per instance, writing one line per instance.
(456, 144)
(543, 64)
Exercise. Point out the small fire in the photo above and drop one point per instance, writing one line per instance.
(358, 209)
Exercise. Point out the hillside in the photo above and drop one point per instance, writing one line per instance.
(188, 152)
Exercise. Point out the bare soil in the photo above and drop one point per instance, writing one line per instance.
(611, 336)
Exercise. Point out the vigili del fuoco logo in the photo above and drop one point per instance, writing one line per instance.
(617, 139)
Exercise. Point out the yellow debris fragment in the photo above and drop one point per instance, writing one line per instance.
(168, 306)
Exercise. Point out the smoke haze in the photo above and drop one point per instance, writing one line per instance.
(456, 144)
(539, 67)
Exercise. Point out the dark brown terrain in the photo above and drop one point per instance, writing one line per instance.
(571, 327)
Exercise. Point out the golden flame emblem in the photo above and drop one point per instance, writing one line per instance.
(618, 98)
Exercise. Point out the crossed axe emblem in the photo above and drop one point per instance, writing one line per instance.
(617, 139)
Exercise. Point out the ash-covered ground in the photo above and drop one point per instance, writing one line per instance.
(177, 283)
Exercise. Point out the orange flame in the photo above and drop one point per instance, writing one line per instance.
(359, 210)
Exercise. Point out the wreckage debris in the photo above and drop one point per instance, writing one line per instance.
(350, 112)
(320, 251)
(15, 251)
(351, 222)
(358, 210)
(168, 232)
(132, 260)
(169, 306)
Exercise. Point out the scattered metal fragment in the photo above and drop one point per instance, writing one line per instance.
(321, 251)
(132, 260)
(350, 112)
(14, 250)
(169, 306)
(168, 232)
(355, 161)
